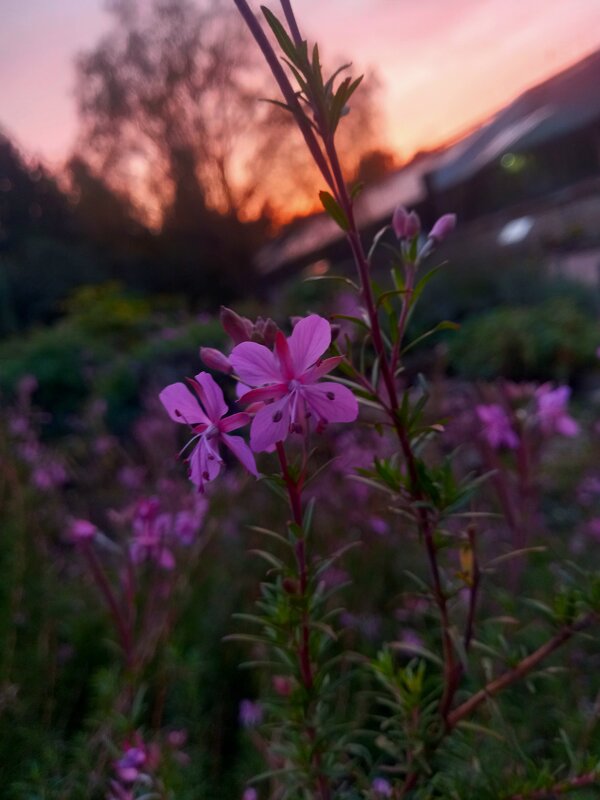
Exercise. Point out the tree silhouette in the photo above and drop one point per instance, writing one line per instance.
(171, 113)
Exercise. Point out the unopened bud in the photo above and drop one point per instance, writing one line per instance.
(82, 530)
(290, 585)
(399, 222)
(238, 328)
(270, 332)
(335, 331)
(282, 685)
(413, 225)
(214, 359)
(406, 225)
(443, 227)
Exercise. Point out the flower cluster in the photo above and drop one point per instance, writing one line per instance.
(281, 390)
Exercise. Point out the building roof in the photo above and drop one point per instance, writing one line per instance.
(563, 103)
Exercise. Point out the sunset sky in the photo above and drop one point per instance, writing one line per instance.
(444, 64)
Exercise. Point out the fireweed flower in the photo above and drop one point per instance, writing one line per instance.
(150, 533)
(552, 411)
(286, 380)
(382, 787)
(206, 416)
(81, 530)
(129, 767)
(497, 430)
(251, 713)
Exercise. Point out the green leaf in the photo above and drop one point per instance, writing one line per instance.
(356, 189)
(335, 211)
(446, 325)
(282, 36)
(340, 278)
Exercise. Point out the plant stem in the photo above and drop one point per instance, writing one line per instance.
(294, 489)
(286, 88)
(568, 785)
(523, 668)
(116, 613)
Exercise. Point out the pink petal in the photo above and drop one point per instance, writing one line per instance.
(211, 395)
(274, 392)
(284, 355)
(331, 402)
(204, 466)
(314, 373)
(233, 422)
(166, 559)
(270, 425)
(255, 364)
(181, 405)
(309, 340)
(566, 426)
(242, 452)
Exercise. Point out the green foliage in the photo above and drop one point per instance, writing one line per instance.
(556, 340)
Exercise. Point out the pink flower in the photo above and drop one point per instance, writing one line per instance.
(382, 787)
(288, 383)
(81, 530)
(206, 417)
(129, 766)
(497, 430)
(552, 411)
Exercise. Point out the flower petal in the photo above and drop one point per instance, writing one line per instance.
(204, 466)
(211, 396)
(284, 356)
(270, 425)
(323, 368)
(309, 340)
(242, 452)
(331, 402)
(273, 392)
(255, 364)
(181, 405)
(234, 421)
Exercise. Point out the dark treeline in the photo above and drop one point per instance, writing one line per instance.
(169, 185)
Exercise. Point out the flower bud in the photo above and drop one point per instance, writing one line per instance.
(82, 530)
(282, 685)
(406, 225)
(215, 360)
(443, 227)
(270, 332)
(290, 585)
(238, 328)
(413, 225)
(399, 222)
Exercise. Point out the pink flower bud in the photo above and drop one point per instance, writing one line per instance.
(238, 328)
(413, 225)
(270, 332)
(443, 227)
(399, 222)
(215, 360)
(282, 685)
(406, 225)
(82, 530)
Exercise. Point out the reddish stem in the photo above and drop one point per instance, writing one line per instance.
(523, 668)
(568, 785)
(294, 489)
(123, 629)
